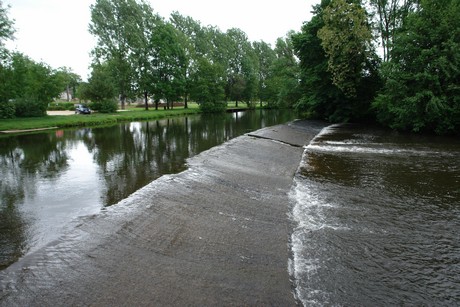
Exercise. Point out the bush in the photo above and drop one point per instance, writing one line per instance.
(105, 106)
(62, 106)
(213, 107)
(7, 110)
(30, 108)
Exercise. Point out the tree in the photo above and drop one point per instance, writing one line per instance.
(100, 86)
(142, 49)
(6, 32)
(339, 66)
(265, 56)
(390, 18)
(320, 97)
(284, 75)
(346, 38)
(167, 63)
(31, 85)
(422, 78)
(70, 80)
(118, 26)
(192, 38)
(208, 86)
(6, 29)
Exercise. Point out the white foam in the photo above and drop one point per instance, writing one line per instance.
(310, 215)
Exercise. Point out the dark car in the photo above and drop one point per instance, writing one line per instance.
(82, 109)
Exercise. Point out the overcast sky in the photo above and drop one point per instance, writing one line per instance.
(56, 31)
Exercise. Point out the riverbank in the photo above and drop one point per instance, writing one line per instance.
(215, 234)
(33, 124)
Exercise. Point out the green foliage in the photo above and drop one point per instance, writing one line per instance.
(69, 81)
(283, 80)
(61, 106)
(213, 107)
(167, 63)
(390, 17)
(30, 107)
(6, 29)
(105, 106)
(118, 26)
(339, 76)
(29, 84)
(100, 86)
(320, 97)
(266, 57)
(208, 87)
(422, 79)
(7, 110)
(346, 38)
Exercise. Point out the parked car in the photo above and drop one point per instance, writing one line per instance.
(82, 109)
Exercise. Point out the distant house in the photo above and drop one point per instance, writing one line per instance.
(66, 95)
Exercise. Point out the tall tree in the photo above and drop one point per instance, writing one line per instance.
(284, 75)
(6, 32)
(320, 97)
(100, 85)
(143, 51)
(347, 40)
(167, 63)
(390, 16)
(422, 78)
(208, 86)
(6, 28)
(118, 26)
(265, 56)
(192, 38)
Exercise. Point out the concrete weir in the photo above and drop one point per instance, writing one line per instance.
(215, 234)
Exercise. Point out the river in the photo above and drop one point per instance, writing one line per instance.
(50, 179)
(377, 218)
(375, 214)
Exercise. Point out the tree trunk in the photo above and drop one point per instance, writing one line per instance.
(123, 101)
(146, 100)
(67, 90)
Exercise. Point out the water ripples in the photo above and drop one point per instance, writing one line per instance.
(377, 220)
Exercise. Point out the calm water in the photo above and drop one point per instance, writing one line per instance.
(378, 220)
(49, 179)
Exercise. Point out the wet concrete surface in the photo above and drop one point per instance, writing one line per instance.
(215, 234)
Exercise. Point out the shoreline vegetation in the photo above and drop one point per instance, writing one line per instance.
(95, 119)
(131, 113)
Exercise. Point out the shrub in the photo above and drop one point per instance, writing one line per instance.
(213, 107)
(62, 106)
(105, 106)
(7, 110)
(30, 108)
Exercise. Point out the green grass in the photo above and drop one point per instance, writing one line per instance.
(95, 119)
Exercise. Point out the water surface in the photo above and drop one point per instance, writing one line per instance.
(378, 219)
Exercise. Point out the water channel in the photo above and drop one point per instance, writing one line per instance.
(50, 179)
(378, 219)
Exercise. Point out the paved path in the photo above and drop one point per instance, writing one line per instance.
(216, 234)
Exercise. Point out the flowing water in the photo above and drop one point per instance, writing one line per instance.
(50, 179)
(378, 220)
